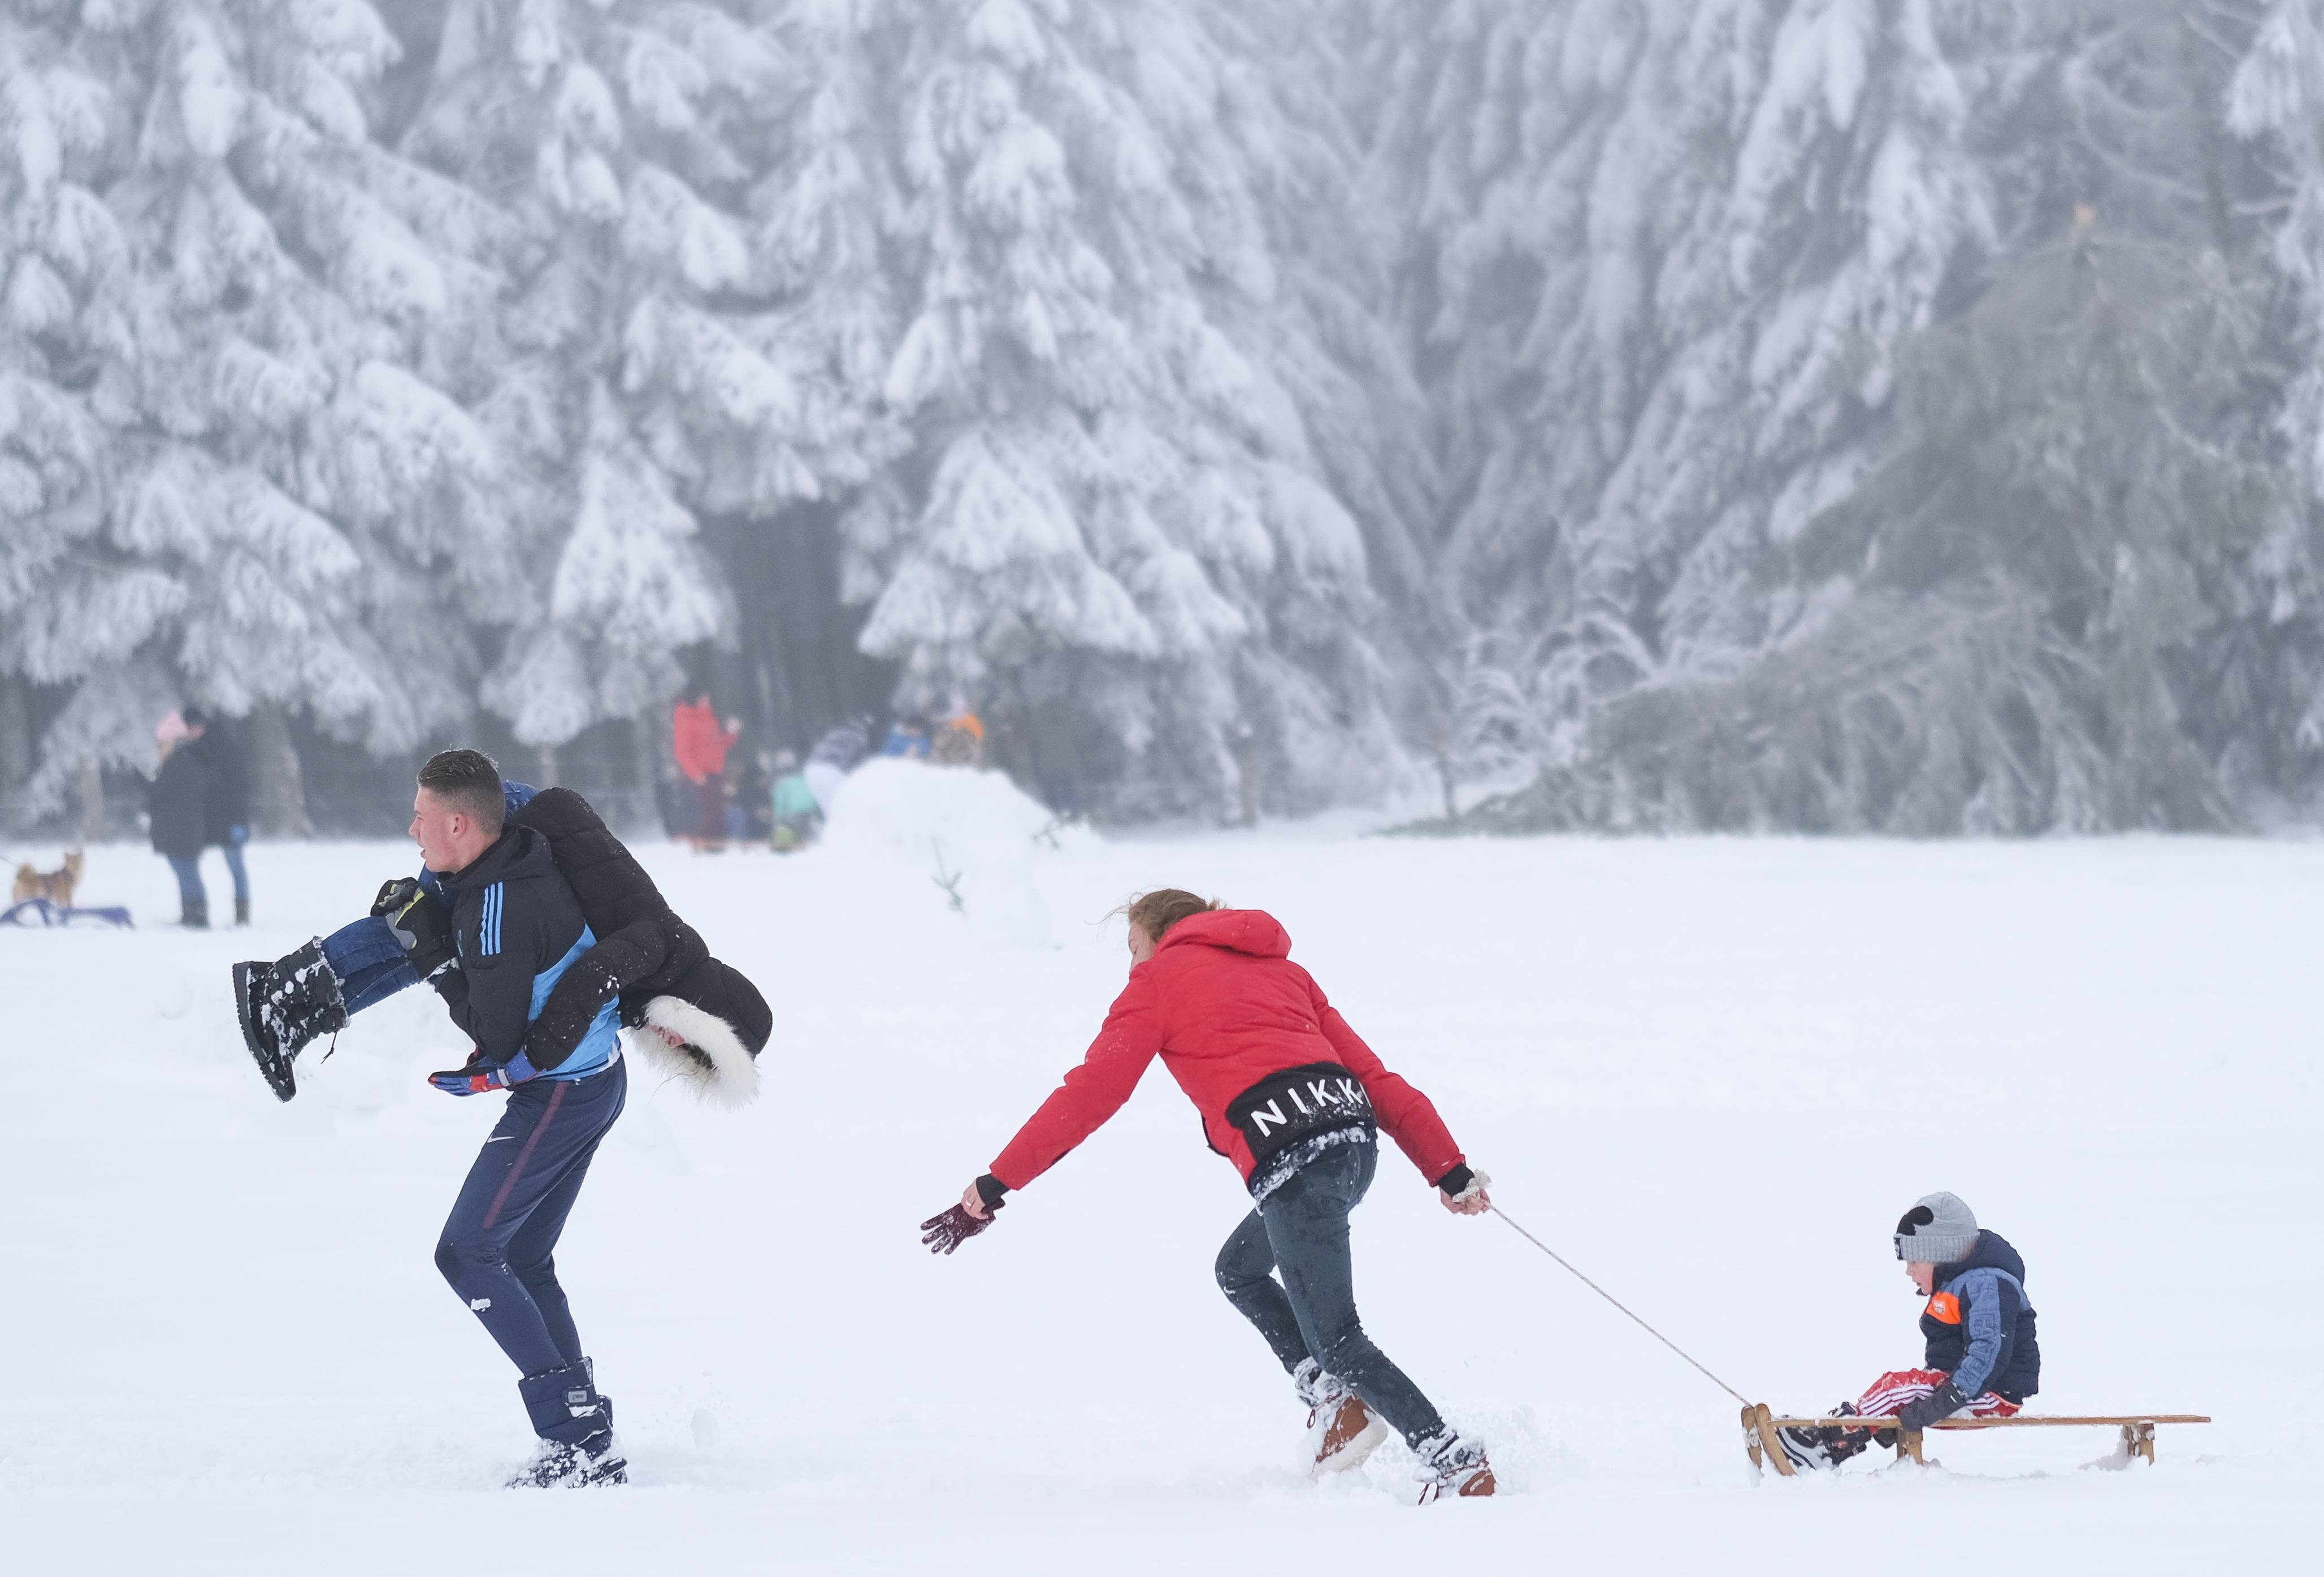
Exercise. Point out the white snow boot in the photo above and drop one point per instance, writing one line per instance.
(1450, 1465)
(1341, 1430)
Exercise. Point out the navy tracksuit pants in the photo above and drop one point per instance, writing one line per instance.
(498, 1249)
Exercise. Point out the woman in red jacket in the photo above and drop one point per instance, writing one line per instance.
(1292, 1096)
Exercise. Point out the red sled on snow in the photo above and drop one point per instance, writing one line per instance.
(1760, 1428)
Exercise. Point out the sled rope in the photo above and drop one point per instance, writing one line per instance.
(1618, 1304)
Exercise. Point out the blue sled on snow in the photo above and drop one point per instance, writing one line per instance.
(39, 911)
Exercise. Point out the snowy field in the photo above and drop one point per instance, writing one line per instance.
(1710, 1072)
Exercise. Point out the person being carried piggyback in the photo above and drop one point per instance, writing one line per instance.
(1982, 1359)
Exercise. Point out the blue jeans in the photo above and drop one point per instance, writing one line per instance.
(1302, 1231)
(370, 962)
(499, 1244)
(188, 872)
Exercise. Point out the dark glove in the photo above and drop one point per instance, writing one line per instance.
(941, 1234)
(1941, 1403)
(418, 924)
(482, 1073)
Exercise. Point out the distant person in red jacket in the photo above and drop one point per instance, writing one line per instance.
(701, 747)
(1294, 1099)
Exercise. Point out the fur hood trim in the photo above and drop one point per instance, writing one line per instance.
(713, 1060)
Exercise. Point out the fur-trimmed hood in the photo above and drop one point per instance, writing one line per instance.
(713, 1059)
(724, 1022)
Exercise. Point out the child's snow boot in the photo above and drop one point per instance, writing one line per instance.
(1815, 1447)
(282, 1006)
(1341, 1430)
(1450, 1465)
(575, 1422)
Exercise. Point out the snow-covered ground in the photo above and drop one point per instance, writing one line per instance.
(1712, 1073)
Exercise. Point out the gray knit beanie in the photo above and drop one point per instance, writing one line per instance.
(1937, 1231)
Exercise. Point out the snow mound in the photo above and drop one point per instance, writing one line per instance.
(973, 836)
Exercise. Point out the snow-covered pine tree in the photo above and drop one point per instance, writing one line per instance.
(676, 356)
(57, 242)
(1128, 531)
(762, 398)
(628, 591)
(2049, 604)
(280, 483)
(1986, 562)
(2277, 101)
(752, 357)
(1663, 258)
(1328, 334)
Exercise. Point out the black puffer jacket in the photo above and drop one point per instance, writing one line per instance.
(643, 950)
(179, 802)
(227, 803)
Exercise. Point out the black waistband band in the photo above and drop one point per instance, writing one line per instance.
(1298, 1104)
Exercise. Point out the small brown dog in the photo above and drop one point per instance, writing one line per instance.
(56, 886)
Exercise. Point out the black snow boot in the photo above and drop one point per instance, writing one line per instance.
(282, 1006)
(242, 911)
(1826, 1446)
(196, 915)
(575, 1421)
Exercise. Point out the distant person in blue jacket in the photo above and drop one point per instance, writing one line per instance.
(909, 739)
(1981, 1356)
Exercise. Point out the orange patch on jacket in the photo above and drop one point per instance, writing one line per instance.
(1945, 1309)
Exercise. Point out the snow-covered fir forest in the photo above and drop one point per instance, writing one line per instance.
(1900, 416)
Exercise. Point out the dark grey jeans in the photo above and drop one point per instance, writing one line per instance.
(1302, 1231)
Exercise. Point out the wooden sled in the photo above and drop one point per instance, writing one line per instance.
(1760, 1428)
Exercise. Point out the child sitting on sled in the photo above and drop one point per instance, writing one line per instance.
(1982, 1358)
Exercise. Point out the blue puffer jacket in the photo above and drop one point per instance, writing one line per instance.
(1979, 1324)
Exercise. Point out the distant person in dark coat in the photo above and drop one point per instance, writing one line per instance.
(178, 804)
(226, 803)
